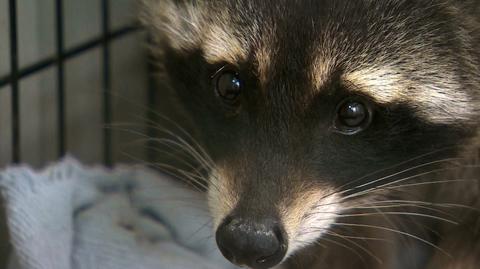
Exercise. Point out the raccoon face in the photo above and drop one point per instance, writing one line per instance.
(296, 101)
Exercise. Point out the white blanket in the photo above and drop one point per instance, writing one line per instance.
(72, 217)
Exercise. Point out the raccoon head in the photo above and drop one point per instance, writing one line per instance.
(296, 101)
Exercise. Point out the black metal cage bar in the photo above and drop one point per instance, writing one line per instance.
(14, 81)
(60, 77)
(107, 85)
(58, 60)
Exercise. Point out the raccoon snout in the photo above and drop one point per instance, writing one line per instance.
(256, 244)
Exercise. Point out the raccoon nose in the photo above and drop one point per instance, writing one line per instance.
(259, 245)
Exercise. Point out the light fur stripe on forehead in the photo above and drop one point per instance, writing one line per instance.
(321, 71)
(187, 26)
(179, 24)
(436, 100)
(263, 62)
(221, 45)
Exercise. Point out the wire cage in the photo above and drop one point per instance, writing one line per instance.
(63, 65)
(100, 28)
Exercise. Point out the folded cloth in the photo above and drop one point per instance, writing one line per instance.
(73, 217)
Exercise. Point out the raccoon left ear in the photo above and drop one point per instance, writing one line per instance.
(179, 22)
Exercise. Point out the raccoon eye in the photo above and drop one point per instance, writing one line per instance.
(353, 116)
(228, 85)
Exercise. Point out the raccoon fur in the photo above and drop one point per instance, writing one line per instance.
(329, 133)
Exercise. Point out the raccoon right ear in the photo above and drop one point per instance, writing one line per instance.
(178, 22)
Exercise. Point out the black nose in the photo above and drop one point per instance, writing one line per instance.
(257, 244)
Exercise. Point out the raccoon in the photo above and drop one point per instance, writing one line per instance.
(333, 133)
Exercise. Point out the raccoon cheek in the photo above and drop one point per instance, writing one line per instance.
(309, 217)
(222, 198)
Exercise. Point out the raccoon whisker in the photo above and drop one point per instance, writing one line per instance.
(205, 225)
(404, 171)
(169, 154)
(353, 250)
(434, 171)
(382, 187)
(308, 243)
(444, 205)
(146, 137)
(195, 169)
(387, 213)
(395, 231)
(389, 221)
(315, 230)
(154, 125)
(164, 167)
(378, 188)
(410, 203)
(196, 172)
(396, 203)
(431, 183)
(357, 245)
(393, 204)
(194, 178)
(402, 205)
(323, 238)
(363, 238)
(376, 258)
(127, 130)
(189, 136)
(394, 213)
(389, 167)
(366, 238)
(202, 152)
(320, 244)
(175, 149)
(191, 180)
(168, 142)
(180, 128)
(194, 153)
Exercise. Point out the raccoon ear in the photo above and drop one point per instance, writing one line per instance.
(178, 22)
